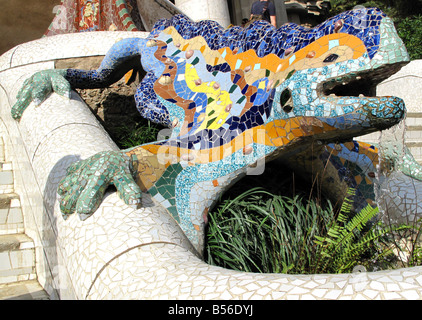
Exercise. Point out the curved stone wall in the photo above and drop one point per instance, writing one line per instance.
(122, 252)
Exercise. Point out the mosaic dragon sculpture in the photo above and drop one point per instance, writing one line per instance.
(236, 98)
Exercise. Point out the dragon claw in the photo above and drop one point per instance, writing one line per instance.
(37, 88)
(83, 188)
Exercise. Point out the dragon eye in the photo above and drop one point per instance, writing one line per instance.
(331, 58)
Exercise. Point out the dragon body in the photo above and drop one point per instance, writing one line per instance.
(234, 99)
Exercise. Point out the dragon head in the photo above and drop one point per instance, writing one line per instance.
(333, 78)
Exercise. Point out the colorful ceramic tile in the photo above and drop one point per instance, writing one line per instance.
(234, 97)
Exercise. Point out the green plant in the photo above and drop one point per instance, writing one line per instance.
(410, 31)
(395, 9)
(128, 136)
(416, 256)
(406, 15)
(348, 240)
(406, 244)
(261, 232)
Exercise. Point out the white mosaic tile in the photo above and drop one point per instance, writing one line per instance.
(67, 46)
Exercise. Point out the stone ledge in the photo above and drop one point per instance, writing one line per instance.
(23, 290)
(11, 242)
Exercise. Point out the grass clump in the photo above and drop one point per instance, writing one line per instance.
(135, 134)
(258, 231)
(261, 232)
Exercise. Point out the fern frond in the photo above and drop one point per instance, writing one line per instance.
(339, 249)
(362, 218)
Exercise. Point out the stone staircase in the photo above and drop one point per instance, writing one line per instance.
(18, 279)
(413, 136)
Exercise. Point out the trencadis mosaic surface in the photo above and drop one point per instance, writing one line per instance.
(234, 98)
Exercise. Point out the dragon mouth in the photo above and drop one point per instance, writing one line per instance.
(360, 84)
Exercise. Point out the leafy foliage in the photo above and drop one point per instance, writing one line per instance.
(407, 16)
(407, 245)
(261, 232)
(410, 31)
(128, 136)
(395, 9)
(348, 240)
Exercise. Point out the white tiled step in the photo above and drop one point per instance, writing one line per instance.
(11, 217)
(6, 178)
(23, 290)
(17, 258)
(413, 135)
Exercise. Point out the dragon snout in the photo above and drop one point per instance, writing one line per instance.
(384, 112)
